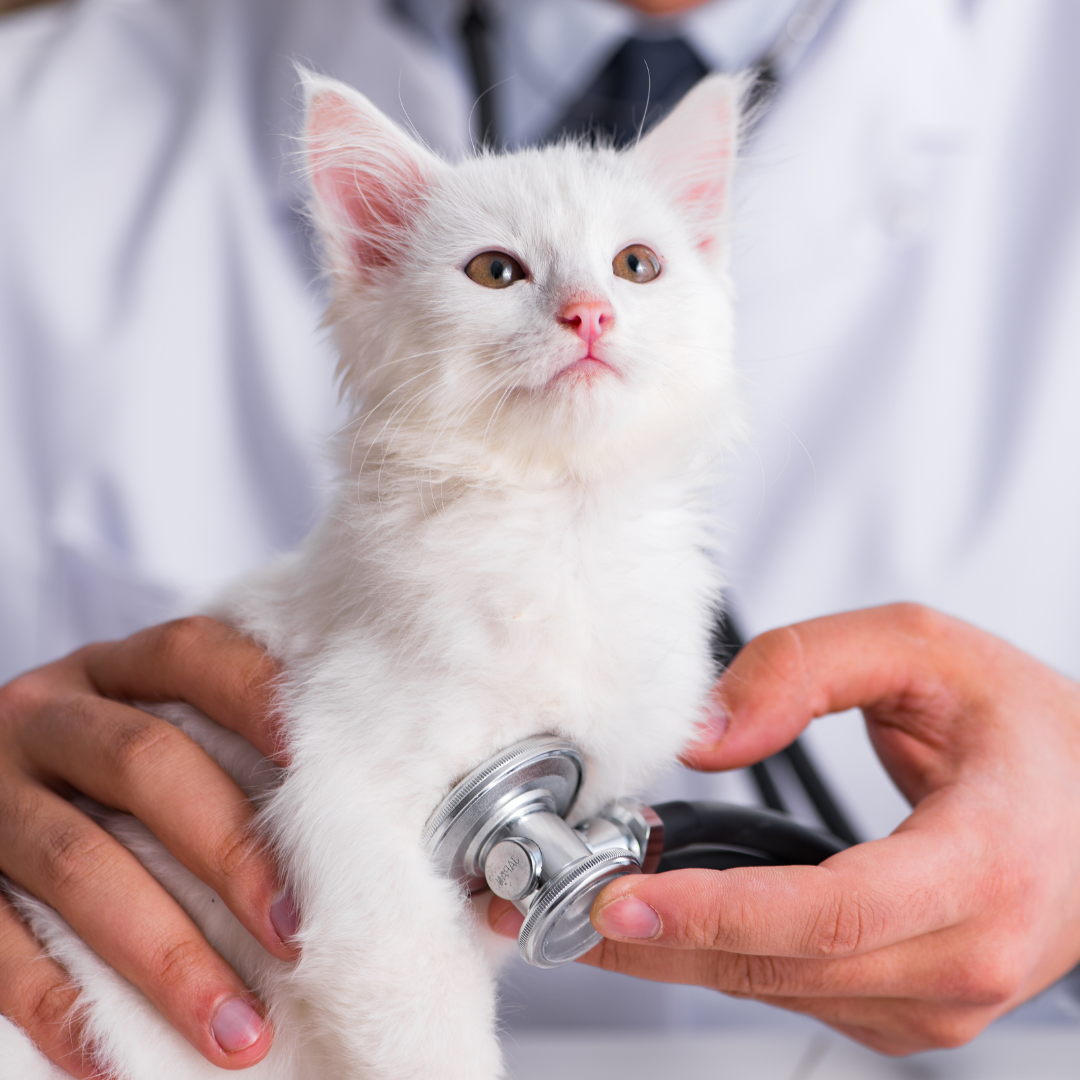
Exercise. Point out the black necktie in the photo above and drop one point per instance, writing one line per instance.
(641, 83)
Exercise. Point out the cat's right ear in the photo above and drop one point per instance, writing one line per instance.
(369, 178)
(691, 154)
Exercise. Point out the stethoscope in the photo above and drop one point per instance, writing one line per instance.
(504, 825)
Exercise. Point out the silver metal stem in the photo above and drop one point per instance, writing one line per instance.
(504, 826)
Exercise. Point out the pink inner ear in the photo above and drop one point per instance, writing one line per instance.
(365, 182)
(690, 153)
(705, 201)
(706, 189)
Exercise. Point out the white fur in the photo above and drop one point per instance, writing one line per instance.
(507, 554)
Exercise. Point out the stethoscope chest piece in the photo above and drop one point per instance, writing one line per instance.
(503, 826)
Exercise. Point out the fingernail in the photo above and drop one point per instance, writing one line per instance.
(628, 918)
(509, 923)
(236, 1026)
(283, 916)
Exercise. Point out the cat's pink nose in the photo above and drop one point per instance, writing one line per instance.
(587, 318)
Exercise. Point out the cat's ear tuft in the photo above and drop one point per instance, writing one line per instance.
(369, 178)
(691, 153)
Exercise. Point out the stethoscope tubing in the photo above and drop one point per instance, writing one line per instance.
(720, 836)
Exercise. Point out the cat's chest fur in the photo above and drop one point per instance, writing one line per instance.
(509, 611)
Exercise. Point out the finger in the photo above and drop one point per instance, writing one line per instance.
(110, 900)
(948, 968)
(785, 678)
(504, 918)
(896, 1023)
(932, 967)
(202, 662)
(37, 995)
(138, 763)
(863, 899)
(894, 1026)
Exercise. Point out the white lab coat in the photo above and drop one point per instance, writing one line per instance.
(165, 389)
(908, 269)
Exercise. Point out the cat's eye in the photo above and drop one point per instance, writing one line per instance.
(495, 270)
(636, 263)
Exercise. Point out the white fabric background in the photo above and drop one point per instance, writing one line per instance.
(908, 268)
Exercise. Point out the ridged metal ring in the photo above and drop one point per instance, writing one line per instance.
(564, 905)
(544, 767)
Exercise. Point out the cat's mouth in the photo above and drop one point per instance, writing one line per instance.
(585, 369)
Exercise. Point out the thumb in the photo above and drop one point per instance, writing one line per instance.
(785, 678)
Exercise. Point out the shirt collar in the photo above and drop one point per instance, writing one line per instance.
(546, 53)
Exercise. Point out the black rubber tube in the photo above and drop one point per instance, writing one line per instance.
(727, 642)
(711, 857)
(760, 833)
(834, 818)
(767, 789)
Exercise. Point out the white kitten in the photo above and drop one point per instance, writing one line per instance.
(520, 543)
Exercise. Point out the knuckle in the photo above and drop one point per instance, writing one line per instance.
(177, 639)
(946, 1029)
(839, 928)
(917, 620)
(69, 852)
(700, 926)
(26, 695)
(50, 1006)
(779, 650)
(253, 687)
(759, 976)
(135, 739)
(986, 981)
(175, 964)
(235, 852)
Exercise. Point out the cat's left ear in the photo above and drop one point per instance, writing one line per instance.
(370, 179)
(691, 153)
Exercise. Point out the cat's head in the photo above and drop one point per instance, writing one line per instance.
(559, 308)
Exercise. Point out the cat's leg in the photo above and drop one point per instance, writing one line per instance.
(392, 973)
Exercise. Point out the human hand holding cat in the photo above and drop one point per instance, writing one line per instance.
(921, 939)
(65, 727)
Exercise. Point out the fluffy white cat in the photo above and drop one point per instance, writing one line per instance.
(537, 349)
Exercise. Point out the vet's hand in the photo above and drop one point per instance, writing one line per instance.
(918, 940)
(64, 728)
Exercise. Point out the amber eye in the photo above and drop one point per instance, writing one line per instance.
(495, 270)
(636, 263)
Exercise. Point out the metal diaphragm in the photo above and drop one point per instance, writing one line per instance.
(503, 826)
(557, 928)
(542, 772)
